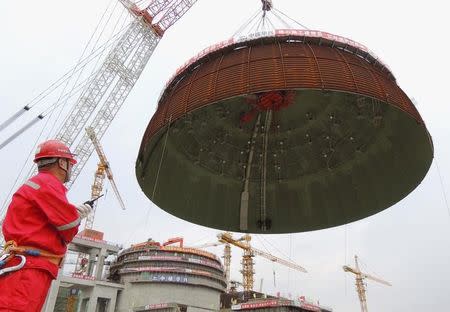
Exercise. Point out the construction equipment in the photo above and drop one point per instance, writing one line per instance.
(108, 88)
(103, 169)
(174, 240)
(118, 74)
(360, 276)
(247, 259)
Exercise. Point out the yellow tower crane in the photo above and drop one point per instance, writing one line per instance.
(103, 170)
(247, 259)
(360, 276)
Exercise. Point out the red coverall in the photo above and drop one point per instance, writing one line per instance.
(39, 216)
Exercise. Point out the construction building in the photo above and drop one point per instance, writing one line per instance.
(162, 277)
(256, 301)
(89, 291)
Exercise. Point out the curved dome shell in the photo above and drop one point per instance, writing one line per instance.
(282, 134)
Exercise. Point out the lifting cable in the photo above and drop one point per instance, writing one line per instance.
(41, 96)
(13, 186)
(444, 194)
(261, 21)
(251, 19)
(345, 254)
(290, 256)
(270, 22)
(110, 42)
(162, 157)
(286, 24)
(278, 250)
(257, 21)
(63, 98)
(81, 57)
(301, 25)
(44, 114)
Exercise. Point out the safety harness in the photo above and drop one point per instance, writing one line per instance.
(11, 250)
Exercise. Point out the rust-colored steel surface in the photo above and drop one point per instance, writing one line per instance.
(280, 63)
(284, 133)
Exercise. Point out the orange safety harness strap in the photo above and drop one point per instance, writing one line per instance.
(12, 249)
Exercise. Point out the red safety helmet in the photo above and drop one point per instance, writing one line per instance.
(54, 149)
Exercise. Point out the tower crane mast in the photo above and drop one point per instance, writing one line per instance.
(360, 276)
(103, 169)
(247, 259)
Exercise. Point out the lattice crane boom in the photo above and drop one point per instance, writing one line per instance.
(247, 259)
(286, 263)
(360, 288)
(104, 163)
(107, 90)
(375, 279)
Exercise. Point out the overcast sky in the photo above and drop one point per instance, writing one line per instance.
(407, 244)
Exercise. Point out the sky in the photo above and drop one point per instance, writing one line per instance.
(407, 244)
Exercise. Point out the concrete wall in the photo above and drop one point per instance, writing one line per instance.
(199, 299)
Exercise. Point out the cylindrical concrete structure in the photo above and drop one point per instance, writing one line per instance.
(168, 278)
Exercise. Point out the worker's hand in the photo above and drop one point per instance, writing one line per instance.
(84, 210)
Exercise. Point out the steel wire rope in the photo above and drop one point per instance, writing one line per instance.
(54, 105)
(290, 256)
(269, 252)
(270, 22)
(40, 116)
(366, 269)
(62, 92)
(105, 45)
(147, 217)
(95, 67)
(256, 25)
(345, 255)
(363, 265)
(291, 18)
(55, 85)
(162, 157)
(68, 95)
(2, 212)
(278, 250)
(444, 194)
(19, 176)
(200, 239)
(142, 1)
(281, 20)
(242, 27)
(82, 54)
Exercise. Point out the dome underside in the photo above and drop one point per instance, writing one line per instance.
(348, 144)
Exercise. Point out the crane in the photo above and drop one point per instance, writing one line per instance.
(360, 276)
(103, 169)
(106, 91)
(247, 259)
(118, 74)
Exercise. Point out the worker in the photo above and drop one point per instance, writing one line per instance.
(38, 225)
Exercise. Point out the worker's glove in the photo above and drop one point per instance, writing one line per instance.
(84, 210)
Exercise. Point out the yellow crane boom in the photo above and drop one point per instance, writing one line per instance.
(247, 259)
(103, 169)
(105, 164)
(360, 276)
